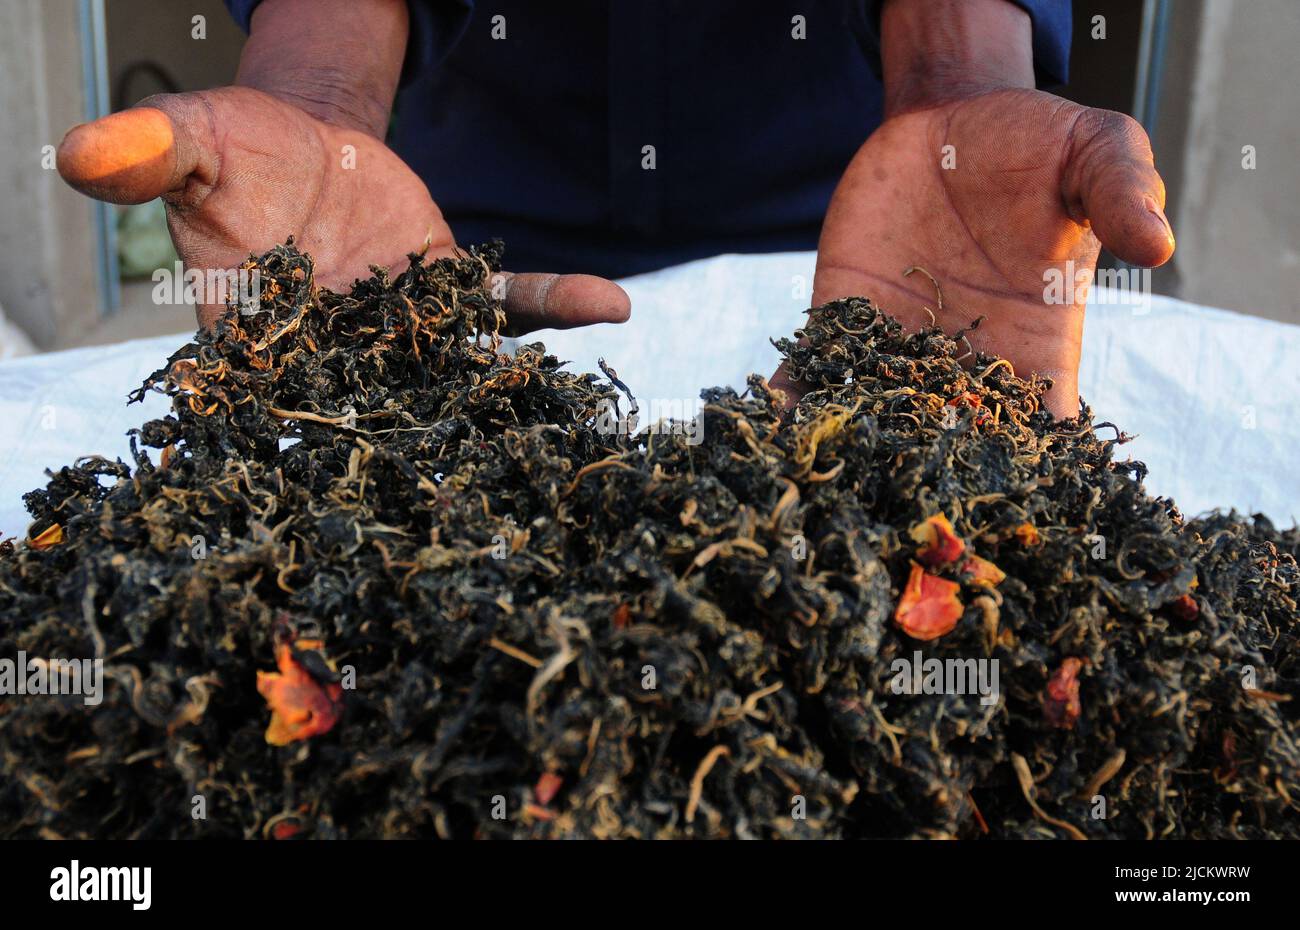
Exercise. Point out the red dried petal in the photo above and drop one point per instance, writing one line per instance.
(1061, 704)
(285, 830)
(971, 400)
(301, 707)
(50, 536)
(983, 572)
(939, 543)
(1186, 608)
(929, 606)
(1027, 534)
(547, 787)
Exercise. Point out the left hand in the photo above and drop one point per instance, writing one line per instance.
(1035, 183)
(989, 185)
(1039, 182)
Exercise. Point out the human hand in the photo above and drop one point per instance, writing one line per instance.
(297, 150)
(992, 191)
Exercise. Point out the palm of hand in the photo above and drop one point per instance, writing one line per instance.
(276, 168)
(989, 194)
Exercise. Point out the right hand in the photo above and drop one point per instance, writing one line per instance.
(240, 170)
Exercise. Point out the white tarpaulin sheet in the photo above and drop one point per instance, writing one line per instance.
(1213, 397)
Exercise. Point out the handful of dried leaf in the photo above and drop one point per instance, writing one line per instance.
(915, 606)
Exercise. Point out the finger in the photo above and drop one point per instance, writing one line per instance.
(790, 389)
(1062, 401)
(138, 154)
(1110, 179)
(553, 301)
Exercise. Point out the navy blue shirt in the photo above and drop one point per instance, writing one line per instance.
(546, 137)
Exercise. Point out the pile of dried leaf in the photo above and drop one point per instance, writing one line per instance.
(382, 580)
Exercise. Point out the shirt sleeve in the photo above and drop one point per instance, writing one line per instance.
(1052, 25)
(436, 28)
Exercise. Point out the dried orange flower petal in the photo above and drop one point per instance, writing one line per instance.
(286, 830)
(973, 401)
(929, 606)
(983, 572)
(51, 536)
(547, 787)
(939, 544)
(301, 707)
(1027, 533)
(1061, 705)
(1185, 608)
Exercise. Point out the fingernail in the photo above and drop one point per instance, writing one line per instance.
(1154, 208)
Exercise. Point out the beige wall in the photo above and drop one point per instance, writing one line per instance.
(1233, 80)
(48, 282)
(159, 32)
(47, 272)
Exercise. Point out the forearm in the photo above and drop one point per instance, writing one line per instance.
(339, 60)
(938, 50)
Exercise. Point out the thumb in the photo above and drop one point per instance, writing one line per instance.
(1110, 181)
(141, 153)
(554, 301)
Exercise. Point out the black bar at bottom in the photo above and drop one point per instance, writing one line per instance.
(662, 881)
